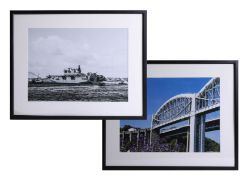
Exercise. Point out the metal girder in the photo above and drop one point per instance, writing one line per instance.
(180, 106)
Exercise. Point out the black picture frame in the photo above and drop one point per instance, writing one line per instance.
(67, 117)
(234, 63)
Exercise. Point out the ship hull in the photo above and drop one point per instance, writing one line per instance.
(49, 84)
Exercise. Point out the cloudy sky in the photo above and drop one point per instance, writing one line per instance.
(104, 51)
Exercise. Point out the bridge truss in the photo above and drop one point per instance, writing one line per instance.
(192, 108)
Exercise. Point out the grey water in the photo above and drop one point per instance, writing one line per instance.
(92, 93)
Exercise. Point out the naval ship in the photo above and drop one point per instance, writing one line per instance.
(73, 76)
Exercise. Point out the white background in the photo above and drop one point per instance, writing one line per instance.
(183, 29)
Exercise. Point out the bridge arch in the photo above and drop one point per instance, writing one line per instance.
(176, 108)
(209, 95)
(190, 112)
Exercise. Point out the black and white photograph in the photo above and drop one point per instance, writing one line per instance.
(78, 64)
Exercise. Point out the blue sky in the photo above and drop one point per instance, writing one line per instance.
(160, 90)
(214, 135)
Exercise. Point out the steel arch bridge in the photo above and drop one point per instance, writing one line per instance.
(186, 114)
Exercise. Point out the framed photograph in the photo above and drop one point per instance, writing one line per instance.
(78, 64)
(192, 121)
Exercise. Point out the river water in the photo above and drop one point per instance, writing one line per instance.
(93, 93)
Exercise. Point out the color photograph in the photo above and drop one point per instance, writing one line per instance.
(183, 116)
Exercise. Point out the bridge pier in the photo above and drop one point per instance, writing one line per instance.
(122, 139)
(154, 138)
(202, 134)
(187, 144)
(137, 139)
(145, 138)
(192, 134)
(192, 127)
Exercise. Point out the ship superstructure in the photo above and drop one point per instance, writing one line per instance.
(73, 76)
(70, 76)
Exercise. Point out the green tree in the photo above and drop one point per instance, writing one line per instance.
(211, 145)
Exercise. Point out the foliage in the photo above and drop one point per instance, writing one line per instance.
(125, 128)
(211, 145)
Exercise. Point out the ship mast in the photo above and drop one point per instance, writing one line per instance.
(79, 69)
